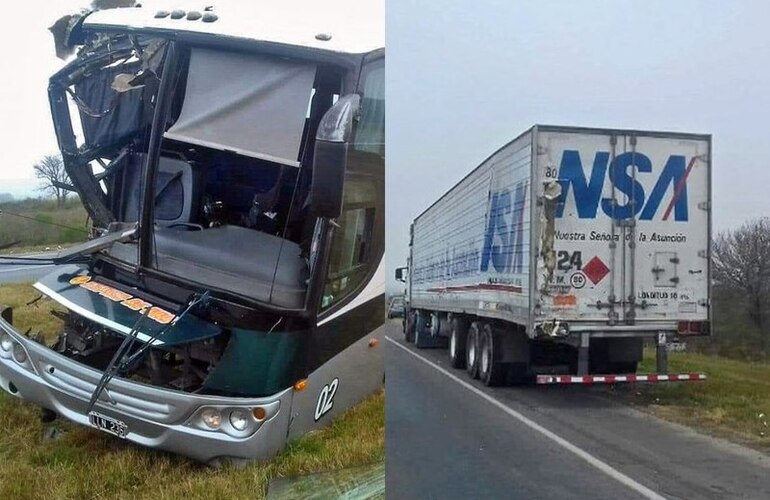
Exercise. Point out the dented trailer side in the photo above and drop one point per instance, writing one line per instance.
(563, 251)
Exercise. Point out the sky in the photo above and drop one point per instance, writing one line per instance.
(26, 131)
(465, 78)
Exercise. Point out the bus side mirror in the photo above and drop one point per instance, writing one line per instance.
(401, 274)
(330, 159)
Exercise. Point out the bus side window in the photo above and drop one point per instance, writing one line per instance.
(359, 240)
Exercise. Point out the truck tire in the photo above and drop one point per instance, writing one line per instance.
(409, 324)
(458, 336)
(491, 371)
(472, 350)
(422, 338)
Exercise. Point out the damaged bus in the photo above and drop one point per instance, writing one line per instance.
(232, 164)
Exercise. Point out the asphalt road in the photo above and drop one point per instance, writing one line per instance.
(22, 274)
(448, 437)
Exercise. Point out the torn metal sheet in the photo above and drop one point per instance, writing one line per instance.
(551, 194)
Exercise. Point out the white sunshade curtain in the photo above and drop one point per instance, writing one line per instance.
(254, 105)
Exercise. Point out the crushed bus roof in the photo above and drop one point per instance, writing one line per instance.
(340, 26)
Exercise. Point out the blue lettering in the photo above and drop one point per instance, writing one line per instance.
(626, 184)
(673, 173)
(587, 193)
(507, 256)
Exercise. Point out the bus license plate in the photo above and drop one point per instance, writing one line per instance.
(108, 424)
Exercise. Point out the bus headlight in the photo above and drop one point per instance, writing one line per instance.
(5, 342)
(212, 418)
(239, 419)
(19, 354)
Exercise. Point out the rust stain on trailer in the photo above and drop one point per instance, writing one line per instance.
(565, 300)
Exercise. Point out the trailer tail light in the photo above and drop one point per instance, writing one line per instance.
(694, 328)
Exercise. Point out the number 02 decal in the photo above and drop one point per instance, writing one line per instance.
(326, 399)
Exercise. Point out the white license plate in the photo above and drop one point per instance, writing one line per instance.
(676, 346)
(108, 424)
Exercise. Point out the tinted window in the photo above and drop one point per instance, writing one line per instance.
(358, 241)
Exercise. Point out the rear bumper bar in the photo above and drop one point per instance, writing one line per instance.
(155, 417)
(614, 379)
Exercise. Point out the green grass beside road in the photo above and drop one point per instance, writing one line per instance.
(39, 224)
(86, 463)
(734, 402)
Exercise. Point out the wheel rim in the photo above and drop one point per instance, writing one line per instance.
(452, 345)
(472, 354)
(485, 358)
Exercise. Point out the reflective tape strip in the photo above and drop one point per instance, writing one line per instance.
(612, 379)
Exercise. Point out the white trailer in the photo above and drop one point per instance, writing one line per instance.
(562, 252)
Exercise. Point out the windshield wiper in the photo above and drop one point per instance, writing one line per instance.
(78, 253)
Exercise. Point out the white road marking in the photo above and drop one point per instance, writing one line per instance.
(592, 460)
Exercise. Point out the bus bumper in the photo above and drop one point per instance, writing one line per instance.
(147, 415)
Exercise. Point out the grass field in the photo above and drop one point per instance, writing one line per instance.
(38, 224)
(85, 463)
(733, 403)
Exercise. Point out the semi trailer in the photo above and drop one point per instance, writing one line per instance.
(232, 164)
(563, 252)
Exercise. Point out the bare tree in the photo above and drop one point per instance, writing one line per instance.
(54, 179)
(741, 264)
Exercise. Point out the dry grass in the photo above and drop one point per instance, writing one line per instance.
(36, 317)
(40, 224)
(734, 402)
(85, 463)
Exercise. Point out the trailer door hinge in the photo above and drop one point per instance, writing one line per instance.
(704, 205)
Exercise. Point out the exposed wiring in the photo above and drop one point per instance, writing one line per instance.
(275, 325)
(112, 367)
(121, 360)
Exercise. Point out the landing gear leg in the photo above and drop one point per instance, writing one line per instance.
(661, 354)
(582, 366)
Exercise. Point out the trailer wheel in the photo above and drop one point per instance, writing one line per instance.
(491, 371)
(458, 337)
(421, 336)
(409, 326)
(472, 350)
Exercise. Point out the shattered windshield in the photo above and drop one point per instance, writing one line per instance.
(103, 103)
(233, 173)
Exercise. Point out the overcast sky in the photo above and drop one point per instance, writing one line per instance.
(26, 130)
(463, 78)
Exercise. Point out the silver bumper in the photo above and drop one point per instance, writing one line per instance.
(156, 418)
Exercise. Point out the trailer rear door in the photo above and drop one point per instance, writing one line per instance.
(624, 238)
